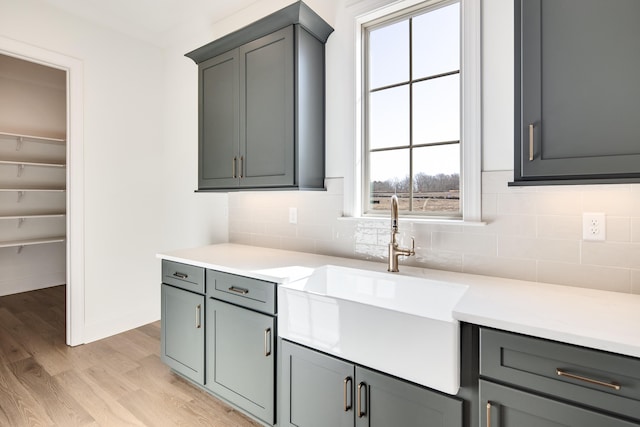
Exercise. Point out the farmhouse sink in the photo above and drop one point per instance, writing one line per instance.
(396, 324)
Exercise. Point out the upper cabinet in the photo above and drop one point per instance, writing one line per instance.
(576, 92)
(261, 104)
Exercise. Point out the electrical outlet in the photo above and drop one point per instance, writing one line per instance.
(293, 215)
(593, 226)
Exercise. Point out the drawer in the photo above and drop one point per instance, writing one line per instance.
(183, 276)
(255, 294)
(602, 380)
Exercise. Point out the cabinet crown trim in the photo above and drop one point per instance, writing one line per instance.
(297, 13)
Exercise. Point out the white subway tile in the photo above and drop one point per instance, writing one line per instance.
(558, 203)
(611, 254)
(466, 243)
(511, 268)
(560, 226)
(517, 203)
(585, 276)
(635, 281)
(635, 230)
(615, 201)
(539, 249)
(618, 229)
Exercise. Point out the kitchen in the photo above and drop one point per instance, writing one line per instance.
(140, 157)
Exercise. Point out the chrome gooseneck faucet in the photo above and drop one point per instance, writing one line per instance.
(394, 250)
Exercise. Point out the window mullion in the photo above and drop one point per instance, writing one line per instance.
(410, 114)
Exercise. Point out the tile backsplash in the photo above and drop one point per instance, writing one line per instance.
(530, 233)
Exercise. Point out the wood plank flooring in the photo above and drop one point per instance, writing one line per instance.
(118, 381)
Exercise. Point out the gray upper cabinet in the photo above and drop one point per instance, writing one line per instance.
(261, 104)
(576, 91)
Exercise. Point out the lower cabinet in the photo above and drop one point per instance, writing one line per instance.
(510, 407)
(241, 357)
(182, 338)
(320, 390)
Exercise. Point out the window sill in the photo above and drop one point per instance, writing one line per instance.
(415, 220)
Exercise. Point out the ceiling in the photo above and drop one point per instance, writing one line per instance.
(150, 20)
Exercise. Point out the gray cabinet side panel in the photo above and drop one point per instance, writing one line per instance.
(182, 337)
(219, 121)
(313, 389)
(386, 401)
(310, 83)
(267, 101)
(514, 408)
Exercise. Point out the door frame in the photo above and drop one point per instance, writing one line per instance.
(75, 304)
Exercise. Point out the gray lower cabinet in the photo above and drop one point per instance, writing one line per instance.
(241, 357)
(182, 337)
(576, 94)
(319, 390)
(527, 381)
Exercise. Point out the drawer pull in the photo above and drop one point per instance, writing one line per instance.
(612, 385)
(488, 414)
(347, 388)
(180, 275)
(198, 316)
(267, 342)
(240, 291)
(531, 142)
(361, 413)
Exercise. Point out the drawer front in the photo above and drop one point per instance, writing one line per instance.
(590, 377)
(255, 294)
(183, 276)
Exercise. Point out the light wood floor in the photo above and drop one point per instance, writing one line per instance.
(118, 381)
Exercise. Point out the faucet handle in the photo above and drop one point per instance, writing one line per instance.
(413, 245)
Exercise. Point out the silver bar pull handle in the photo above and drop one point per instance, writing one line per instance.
(267, 342)
(241, 166)
(610, 384)
(347, 393)
(198, 316)
(241, 291)
(531, 142)
(180, 275)
(488, 414)
(361, 413)
(233, 168)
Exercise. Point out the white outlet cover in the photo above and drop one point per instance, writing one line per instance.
(594, 226)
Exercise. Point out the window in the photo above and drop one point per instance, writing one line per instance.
(412, 118)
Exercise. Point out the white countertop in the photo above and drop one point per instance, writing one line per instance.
(602, 320)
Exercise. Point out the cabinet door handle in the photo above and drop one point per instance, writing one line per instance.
(267, 342)
(198, 316)
(180, 275)
(488, 414)
(240, 291)
(233, 168)
(531, 142)
(361, 413)
(609, 384)
(241, 166)
(347, 393)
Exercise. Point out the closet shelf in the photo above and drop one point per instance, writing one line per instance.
(41, 164)
(35, 138)
(30, 242)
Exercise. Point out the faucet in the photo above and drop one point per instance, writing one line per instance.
(394, 250)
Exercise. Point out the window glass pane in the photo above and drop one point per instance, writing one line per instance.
(436, 110)
(436, 42)
(389, 55)
(389, 118)
(389, 174)
(436, 179)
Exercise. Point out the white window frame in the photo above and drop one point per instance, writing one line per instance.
(471, 104)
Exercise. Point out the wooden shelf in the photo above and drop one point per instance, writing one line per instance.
(31, 242)
(35, 138)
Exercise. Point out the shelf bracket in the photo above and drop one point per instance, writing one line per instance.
(20, 170)
(21, 221)
(20, 249)
(20, 196)
(19, 144)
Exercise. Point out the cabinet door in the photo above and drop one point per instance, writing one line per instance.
(508, 407)
(266, 106)
(182, 338)
(218, 122)
(383, 401)
(317, 390)
(241, 357)
(576, 112)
